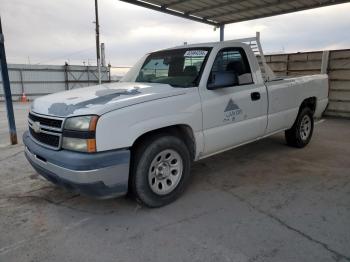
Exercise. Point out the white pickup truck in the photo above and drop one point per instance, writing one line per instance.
(175, 106)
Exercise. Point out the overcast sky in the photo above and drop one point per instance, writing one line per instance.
(52, 32)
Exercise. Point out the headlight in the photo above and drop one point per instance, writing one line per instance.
(81, 123)
(78, 144)
(79, 134)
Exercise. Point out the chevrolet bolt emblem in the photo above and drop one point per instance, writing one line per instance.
(36, 127)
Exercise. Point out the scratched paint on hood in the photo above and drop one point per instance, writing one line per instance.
(102, 97)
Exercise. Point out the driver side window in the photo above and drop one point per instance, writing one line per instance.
(230, 68)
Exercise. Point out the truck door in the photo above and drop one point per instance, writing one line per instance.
(234, 105)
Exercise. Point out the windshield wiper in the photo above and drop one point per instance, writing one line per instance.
(174, 85)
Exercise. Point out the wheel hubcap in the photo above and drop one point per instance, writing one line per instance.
(305, 127)
(165, 172)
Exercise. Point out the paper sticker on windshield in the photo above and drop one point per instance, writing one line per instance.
(196, 53)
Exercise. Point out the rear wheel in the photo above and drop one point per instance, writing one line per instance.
(160, 170)
(301, 132)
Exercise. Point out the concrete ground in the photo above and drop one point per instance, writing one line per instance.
(261, 202)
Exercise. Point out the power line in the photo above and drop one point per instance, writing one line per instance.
(65, 56)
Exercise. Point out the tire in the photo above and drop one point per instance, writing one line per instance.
(160, 170)
(301, 132)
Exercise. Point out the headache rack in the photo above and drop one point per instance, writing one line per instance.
(255, 45)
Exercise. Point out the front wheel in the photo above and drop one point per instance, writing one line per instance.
(160, 170)
(301, 132)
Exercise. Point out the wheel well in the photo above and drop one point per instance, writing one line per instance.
(183, 132)
(310, 103)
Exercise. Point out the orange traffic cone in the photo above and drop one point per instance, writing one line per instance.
(23, 98)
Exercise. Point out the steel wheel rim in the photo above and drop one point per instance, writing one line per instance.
(165, 172)
(305, 127)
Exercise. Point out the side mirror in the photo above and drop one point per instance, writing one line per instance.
(223, 79)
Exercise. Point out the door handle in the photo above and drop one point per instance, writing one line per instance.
(255, 96)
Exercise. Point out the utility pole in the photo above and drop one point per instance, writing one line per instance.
(7, 90)
(98, 52)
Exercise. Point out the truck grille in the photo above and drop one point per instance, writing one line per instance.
(45, 130)
(49, 122)
(46, 139)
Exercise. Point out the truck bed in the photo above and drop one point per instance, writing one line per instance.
(287, 94)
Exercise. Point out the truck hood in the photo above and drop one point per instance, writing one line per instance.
(102, 98)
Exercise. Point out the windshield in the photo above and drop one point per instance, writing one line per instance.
(177, 67)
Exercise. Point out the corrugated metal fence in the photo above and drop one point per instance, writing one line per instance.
(337, 66)
(38, 80)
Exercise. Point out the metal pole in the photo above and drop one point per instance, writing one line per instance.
(222, 33)
(325, 62)
(21, 78)
(109, 72)
(7, 90)
(66, 82)
(103, 56)
(98, 50)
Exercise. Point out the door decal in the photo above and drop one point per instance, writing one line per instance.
(232, 111)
